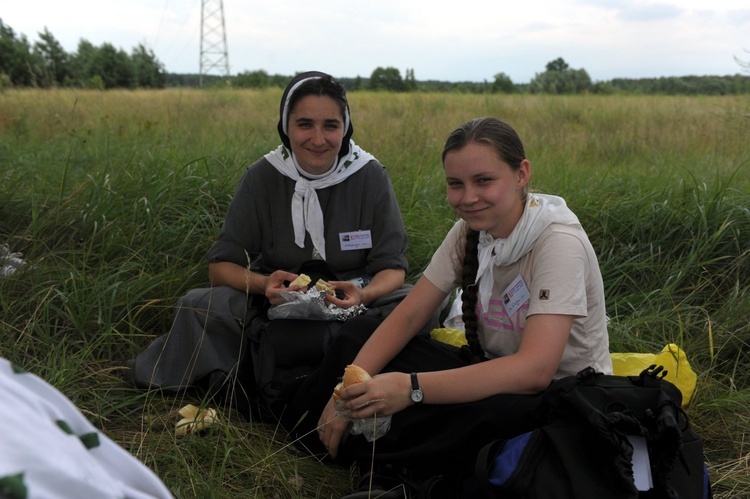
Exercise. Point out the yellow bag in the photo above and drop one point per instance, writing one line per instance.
(674, 360)
(454, 337)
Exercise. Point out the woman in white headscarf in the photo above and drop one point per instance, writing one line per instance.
(319, 205)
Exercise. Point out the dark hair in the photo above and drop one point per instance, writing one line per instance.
(492, 132)
(320, 84)
(323, 86)
(509, 148)
(469, 295)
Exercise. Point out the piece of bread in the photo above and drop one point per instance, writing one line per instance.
(302, 280)
(194, 420)
(352, 374)
(325, 287)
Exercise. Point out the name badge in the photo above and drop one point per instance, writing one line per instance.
(515, 296)
(361, 239)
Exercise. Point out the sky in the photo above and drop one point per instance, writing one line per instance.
(466, 40)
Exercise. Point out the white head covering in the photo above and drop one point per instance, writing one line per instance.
(306, 212)
(540, 212)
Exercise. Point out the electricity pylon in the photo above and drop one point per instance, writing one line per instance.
(213, 38)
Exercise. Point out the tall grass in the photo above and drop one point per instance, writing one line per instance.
(114, 198)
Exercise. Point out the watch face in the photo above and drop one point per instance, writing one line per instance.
(416, 395)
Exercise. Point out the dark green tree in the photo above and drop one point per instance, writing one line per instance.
(357, 83)
(410, 82)
(52, 61)
(503, 84)
(558, 64)
(81, 62)
(559, 78)
(16, 60)
(113, 66)
(252, 79)
(148, 72)
(387, 79)
(280, 81)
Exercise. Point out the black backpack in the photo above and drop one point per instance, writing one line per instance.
(596, 430)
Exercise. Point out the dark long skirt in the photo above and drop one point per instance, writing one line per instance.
(222, 342)
(424, 438)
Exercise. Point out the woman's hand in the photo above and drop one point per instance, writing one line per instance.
(332, 429)
(352, 294)
(384, 394)
(382, 283)
(275, 286)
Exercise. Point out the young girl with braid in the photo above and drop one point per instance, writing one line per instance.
(533, 307)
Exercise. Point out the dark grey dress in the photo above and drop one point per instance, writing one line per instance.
(207, 337)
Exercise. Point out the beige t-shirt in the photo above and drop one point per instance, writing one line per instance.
(560, 275)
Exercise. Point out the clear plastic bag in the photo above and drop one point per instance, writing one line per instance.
(371, 428)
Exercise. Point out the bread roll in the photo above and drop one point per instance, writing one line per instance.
(352, 374)
(302, 280)
(325, 287)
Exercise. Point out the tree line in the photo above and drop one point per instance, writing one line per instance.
(46, 64)
(557, 78)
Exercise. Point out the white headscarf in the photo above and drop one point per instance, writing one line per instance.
(306, 212)
(540, 212)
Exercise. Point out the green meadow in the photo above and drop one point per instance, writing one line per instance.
(113, 198)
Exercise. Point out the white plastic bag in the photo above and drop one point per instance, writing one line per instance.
(372, 428)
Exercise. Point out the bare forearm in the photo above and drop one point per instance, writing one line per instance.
(237, 277)
(529, 370)
(386, 342)
(475, 382)
(382, 283)
(400, 326)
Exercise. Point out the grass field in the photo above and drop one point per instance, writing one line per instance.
(114, 197)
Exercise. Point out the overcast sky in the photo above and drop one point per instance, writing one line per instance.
(465, 40)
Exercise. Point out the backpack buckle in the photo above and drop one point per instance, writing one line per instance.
(651, 374)
(585, 373)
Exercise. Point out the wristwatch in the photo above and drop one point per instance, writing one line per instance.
(416, 392)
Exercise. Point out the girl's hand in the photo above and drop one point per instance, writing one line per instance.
(385, 394)
(332, 429)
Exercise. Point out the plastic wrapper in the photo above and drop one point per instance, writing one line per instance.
(311, 305)
(9, 262)
(454, 319)
(371, 428)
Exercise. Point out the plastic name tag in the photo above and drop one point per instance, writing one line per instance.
(361, 239)
(515, 296)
